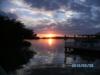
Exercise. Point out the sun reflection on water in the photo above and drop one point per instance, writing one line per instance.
(50, 42)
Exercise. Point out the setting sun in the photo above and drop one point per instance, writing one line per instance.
(50, 35)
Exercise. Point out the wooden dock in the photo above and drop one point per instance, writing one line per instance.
(84, 45)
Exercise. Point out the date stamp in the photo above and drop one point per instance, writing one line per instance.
(82, 65)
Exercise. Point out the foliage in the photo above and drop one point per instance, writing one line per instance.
(14, 50)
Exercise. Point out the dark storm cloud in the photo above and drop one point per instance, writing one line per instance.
(56, 4)
(93, 2)
(47, 4)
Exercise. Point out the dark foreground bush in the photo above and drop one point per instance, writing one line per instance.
(14, 51)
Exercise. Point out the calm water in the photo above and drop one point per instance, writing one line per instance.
(51, 51)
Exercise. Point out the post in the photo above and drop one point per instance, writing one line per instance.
(65, 52)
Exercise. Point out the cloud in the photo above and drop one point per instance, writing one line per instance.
(65, 15)
(47, 4)
(35, 16)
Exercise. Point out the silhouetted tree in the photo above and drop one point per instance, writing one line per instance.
(14, 50)
(97, 35)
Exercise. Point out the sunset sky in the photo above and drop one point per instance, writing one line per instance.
(55, 16)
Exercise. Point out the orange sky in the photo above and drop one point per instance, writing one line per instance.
(49, 35)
